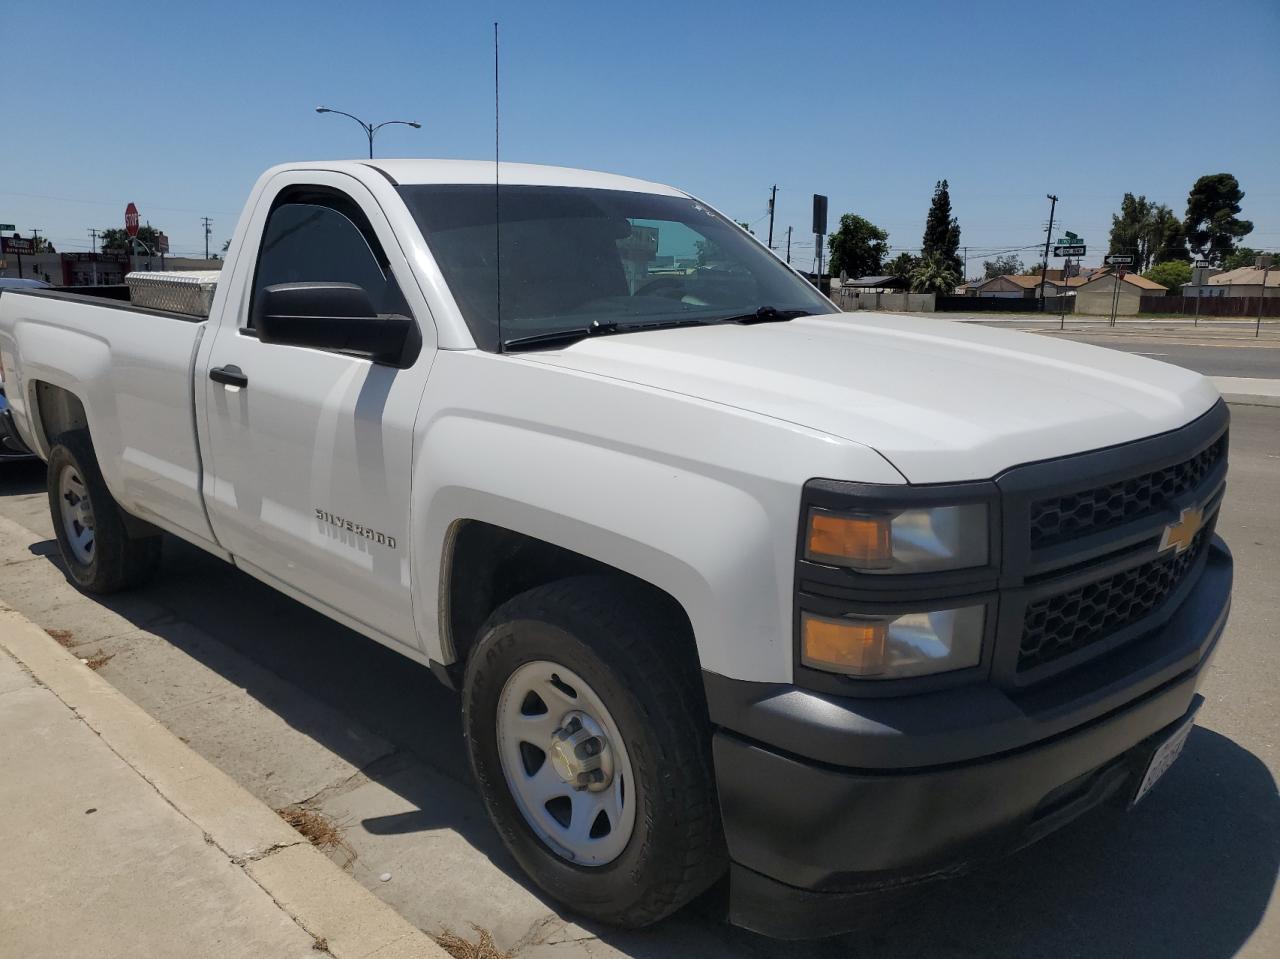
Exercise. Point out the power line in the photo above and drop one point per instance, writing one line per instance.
(67, 199)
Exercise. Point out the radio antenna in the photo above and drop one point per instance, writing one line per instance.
(497, 199)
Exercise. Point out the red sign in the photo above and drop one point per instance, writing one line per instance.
(17, 246)
(131, 220)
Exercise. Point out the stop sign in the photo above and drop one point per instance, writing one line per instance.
(131, 220)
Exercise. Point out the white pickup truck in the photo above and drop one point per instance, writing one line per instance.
(733, 585)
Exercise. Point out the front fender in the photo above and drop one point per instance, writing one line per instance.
(698, 499)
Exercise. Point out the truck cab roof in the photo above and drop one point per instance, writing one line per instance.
(406, 172)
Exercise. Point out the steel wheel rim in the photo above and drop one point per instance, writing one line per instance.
(77, 514)
(589, 820)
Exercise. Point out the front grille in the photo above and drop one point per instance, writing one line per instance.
(1059, 625)
(1061, 518)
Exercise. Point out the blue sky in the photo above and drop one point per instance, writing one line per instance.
(179, 106)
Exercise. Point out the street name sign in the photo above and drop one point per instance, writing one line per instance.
(8, 226)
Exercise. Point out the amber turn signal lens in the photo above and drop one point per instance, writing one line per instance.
(864, 541)
(854, 646)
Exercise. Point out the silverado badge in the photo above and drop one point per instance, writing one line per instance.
(359, 529)
(1179, 535)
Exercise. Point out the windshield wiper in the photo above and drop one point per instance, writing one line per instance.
(560, 337)
(766, 314)
(596, 328)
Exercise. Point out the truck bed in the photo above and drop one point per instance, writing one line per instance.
(132, 368)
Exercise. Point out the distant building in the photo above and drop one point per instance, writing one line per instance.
(875, 284)
(1245, 281)
(1097, 293)
(1015, 286)
(104, 269)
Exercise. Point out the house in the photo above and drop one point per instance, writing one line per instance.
(1199, 285)
(1245, 281)
(1011, 286)
(1098, 292)
(874, 284)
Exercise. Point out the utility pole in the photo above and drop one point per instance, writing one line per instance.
(788, 245)
(35, 251)
(93, 260)
(773, 199)
(1048, 235)
(207, 232)
(965, 278)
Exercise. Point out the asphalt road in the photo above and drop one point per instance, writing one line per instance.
(299, 709)
(1211, 357)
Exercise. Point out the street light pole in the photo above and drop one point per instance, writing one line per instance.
(371, 128)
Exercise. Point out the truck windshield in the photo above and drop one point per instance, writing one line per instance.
(573, 258)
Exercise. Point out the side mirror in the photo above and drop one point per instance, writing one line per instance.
(332, 316)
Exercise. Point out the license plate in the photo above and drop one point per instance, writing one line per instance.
(1164, 757)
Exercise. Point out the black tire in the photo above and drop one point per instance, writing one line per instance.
(117, 560)
(634, 649)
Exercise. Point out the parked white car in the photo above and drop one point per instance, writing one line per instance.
(731, 583)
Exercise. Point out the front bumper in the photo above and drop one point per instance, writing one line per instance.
(825, 799)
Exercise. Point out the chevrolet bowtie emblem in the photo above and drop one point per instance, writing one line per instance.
(1178, 536)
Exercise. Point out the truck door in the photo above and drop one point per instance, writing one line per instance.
(309, 450)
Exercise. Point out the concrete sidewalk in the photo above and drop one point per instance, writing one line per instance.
(1248, 390)
(117, 840)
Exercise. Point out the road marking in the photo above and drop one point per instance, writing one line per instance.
(1142, 353)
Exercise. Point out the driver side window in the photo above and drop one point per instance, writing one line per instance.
(316, 238)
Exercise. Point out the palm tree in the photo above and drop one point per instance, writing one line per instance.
(934, 274)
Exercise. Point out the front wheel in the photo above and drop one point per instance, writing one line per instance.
(590, 743)
(97, 550)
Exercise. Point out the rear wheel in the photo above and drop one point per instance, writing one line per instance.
(99, 554)
(590, 743)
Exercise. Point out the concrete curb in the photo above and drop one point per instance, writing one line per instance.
(1248, 391)
(320, 897)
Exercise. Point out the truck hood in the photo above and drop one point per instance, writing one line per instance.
(941, 400)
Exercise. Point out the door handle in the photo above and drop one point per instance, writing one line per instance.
(229, 376)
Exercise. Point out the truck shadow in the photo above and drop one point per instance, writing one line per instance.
(1187, 874)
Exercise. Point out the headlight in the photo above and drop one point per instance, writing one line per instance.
(893, 646)
(899, 540)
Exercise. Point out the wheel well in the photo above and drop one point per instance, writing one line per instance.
(487, 565)
(60, 411)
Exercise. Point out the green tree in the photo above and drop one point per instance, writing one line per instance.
(746, 226)
(1170, 274)
(1168, 239)
(1130, 229)
(1008, 265)
(1211, 224)
(858, 248)
(117, 240)
(1150, 232)
(942, 230)
(934, 274)
(901, 265)
(1241, 256)
(1034, 269)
